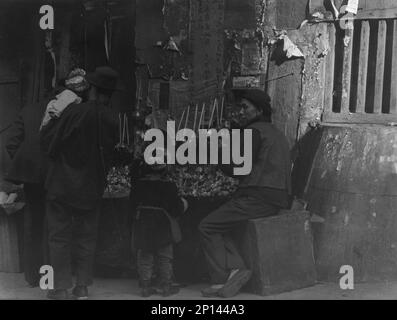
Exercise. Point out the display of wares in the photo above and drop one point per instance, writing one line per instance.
(202, 182)
(118, 183)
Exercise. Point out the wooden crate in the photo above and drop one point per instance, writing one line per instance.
(10, 240)
(279, 251)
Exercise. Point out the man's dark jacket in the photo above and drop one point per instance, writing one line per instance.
(28, 162)
(79, 146)
(270, 177)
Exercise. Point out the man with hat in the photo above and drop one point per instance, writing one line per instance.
(78, 145)
(261, 193)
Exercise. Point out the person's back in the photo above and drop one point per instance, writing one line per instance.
(77, 141)
(157, 193)
(28, 163)
(28, 167)
(157, 205)
(77, 145)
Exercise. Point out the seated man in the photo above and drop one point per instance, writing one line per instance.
(261, 193)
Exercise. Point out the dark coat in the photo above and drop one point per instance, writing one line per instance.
(28, 162)
(158, 206)
(77, 166)
(272, 166)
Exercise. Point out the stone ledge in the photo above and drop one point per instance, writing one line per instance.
(279, 251)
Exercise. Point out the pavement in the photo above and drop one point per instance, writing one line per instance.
(13, 287)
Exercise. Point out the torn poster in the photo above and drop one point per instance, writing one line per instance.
(291, 50)
(318, 8)
(247, 82)
(321, 6)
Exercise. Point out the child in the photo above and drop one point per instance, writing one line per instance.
(76, 87)
(156, 229)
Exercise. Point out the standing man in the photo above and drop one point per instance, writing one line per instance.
(78, 145)
(261, 193)
(28, 168)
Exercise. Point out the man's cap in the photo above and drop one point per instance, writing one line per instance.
(258, 97)
(105, 78)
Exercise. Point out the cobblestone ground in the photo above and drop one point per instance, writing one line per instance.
(12, 286)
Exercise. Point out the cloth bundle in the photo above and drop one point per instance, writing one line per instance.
(57, 106)
(75, 84)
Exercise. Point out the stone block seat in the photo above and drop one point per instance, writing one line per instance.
(279, 251)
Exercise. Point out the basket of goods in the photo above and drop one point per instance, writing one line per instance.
(118, 178)
(118, 183)
(201, 182)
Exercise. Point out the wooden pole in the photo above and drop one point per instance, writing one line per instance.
(187, 119)
(217, 114)
(195, 118)
(201, 116)
(212, 114)
(180, 121)
(222, 107)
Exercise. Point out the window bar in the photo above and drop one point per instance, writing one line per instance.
(380, 67)
(347, 70)
(363, 67)
(393, 91)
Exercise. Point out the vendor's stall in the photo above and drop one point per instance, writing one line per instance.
(204, 186)
(206, 189)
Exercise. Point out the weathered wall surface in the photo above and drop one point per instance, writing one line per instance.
(299, 99)
(347, 174)
(353, 187)
(290, 13)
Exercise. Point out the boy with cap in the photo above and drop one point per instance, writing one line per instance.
(157, 205)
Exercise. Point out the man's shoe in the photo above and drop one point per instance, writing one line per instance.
(59, 294)
(211, 292)
(148, 292)
(235, 283)
(80, 292)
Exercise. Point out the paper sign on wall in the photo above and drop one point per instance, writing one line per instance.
(352, 6)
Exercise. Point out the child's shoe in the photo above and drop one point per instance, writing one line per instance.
(146, 289)
(167, 290)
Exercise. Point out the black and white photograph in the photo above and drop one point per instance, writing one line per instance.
(211, 151)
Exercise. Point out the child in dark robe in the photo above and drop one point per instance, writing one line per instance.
(157, 206)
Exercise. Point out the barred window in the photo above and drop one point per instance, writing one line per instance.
(361, 73)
